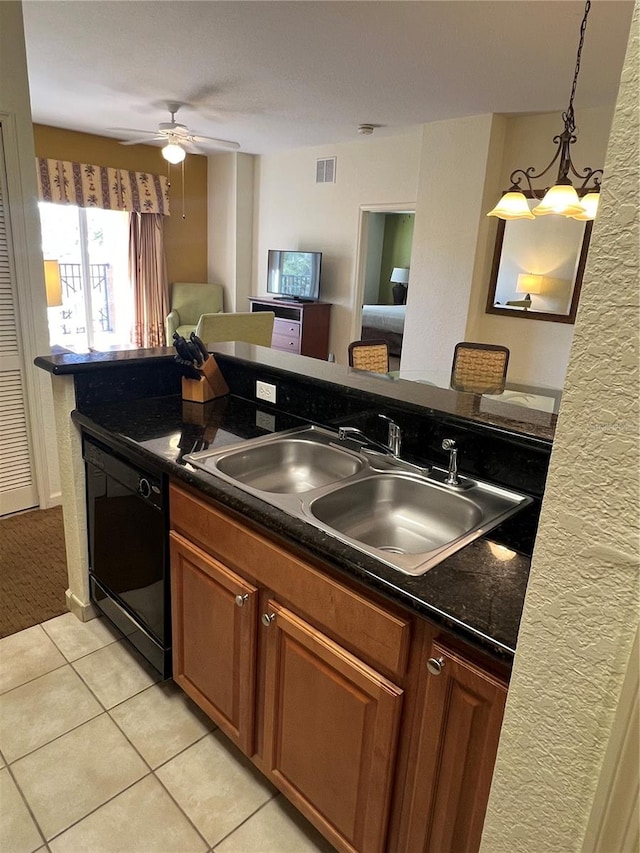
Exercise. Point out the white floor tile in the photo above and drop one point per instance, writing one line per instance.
(26, 655)
(75, 639)
(143, 819)
(41, 710)
(18, 832)
(276, 828)
(161, 721)
(66, 779)
(216, 786)
(115, 673)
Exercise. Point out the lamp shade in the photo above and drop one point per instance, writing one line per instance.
(529, 283)
(512, 205)
(562, 199)
(173, 153)
(589, 204)
(400, 275)
(53, 283)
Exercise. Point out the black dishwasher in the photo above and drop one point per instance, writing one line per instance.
(128, 550)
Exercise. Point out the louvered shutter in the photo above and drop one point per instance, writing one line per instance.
(17, 489)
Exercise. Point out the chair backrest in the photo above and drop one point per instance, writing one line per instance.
(192, 300)
(479, 368)
(371, 355)
(251, 327)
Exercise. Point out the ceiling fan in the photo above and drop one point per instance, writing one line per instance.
(177, 136)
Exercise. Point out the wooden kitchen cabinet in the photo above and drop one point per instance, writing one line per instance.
(214, 639)
(454, 750)
(296, 683)
(327, 689)
(331, 728)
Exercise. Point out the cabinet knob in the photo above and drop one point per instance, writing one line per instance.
(267, 619)
(240, 599)
(435, 665)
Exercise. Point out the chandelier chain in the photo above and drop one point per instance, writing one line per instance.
(569, 116)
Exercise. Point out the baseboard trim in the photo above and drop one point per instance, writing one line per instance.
(84, 611)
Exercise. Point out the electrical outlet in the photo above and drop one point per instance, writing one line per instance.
(265, 391)
(265, 420)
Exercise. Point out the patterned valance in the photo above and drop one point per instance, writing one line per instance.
(101, 186)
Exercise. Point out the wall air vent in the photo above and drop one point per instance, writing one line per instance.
(326, 171)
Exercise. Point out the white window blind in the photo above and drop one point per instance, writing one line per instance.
(17, 490)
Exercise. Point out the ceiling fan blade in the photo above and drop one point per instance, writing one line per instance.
(142, 139)
(221, 143)
(129, 130)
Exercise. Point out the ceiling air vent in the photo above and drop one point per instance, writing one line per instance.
(326, 171)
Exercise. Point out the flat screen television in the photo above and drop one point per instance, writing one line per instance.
(294, 275)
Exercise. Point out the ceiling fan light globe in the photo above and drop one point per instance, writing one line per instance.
(173, 153)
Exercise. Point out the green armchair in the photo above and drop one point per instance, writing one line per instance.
(189, 302)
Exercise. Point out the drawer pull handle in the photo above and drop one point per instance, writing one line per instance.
(267, 619)
(435, 665)
(240, 599)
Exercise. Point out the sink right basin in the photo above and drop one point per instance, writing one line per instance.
(396, 514)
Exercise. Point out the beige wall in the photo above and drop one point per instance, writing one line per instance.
(293, 212)
(231, 212)
(449, 213)
(581, 608)
(185, 239)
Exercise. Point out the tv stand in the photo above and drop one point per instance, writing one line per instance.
(299, 327)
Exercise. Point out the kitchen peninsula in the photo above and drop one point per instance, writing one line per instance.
(389, 653)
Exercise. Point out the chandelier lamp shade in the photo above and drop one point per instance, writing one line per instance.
(563, 198)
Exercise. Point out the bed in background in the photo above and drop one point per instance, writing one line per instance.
(385, 322)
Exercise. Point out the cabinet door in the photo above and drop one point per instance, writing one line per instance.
(214, 639)
(331, 726)
(458, 742)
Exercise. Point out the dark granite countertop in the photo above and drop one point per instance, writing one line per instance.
(476, 594)
(502, 417)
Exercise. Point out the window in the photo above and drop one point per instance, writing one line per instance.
(91, 247)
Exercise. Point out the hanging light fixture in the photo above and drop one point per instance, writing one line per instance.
(173, 152)
(562, 198)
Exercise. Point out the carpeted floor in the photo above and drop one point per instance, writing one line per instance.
(33, 569)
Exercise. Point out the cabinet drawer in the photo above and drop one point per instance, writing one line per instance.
(378, 634)
(286, 328)
(284, 342)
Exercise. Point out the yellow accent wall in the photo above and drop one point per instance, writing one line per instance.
(185, 239)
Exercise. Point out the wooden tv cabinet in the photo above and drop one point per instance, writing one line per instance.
(299, 327)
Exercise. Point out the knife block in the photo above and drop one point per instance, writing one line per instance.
(197, 390)
(210, 385)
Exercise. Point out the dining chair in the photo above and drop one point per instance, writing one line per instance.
(250, 327)
(371, 355)
(479, 368)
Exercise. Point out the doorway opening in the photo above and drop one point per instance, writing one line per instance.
(383, 275)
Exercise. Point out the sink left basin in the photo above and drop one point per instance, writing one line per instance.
(284, 464)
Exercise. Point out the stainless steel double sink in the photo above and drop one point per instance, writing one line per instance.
(406, 517)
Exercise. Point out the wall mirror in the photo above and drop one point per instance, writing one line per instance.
(538, 266)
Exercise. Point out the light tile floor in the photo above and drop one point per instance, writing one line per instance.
(97, 756)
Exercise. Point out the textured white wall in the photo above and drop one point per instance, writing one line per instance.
(581, 609)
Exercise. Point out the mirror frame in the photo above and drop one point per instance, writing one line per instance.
(537, 315)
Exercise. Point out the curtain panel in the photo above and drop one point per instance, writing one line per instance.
(148, 274)
(84, 185)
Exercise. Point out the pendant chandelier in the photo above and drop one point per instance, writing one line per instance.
(563, 198)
